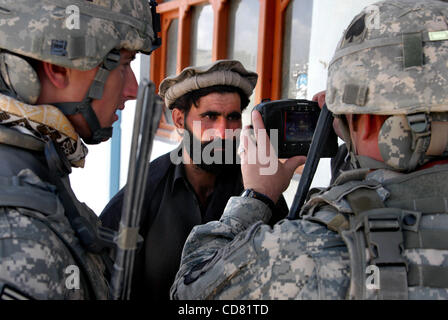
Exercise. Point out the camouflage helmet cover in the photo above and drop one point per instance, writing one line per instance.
(392, 59)
(41, 29)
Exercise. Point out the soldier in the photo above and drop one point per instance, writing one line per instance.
(62, 79)
(380, 231)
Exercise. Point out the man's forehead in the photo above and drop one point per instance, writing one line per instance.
(220, 101)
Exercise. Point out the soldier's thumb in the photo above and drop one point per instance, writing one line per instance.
(293, 163)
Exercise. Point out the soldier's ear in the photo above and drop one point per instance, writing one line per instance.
(178, 117)
(369, 125)
(57, 75)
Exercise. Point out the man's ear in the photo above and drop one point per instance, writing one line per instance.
(371, 125)
(367, 126)
(57, 75)
(178, 118)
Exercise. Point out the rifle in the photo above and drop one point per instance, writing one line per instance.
(147, 116)
(323, 129)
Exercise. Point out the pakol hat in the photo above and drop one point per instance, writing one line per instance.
(221, 72)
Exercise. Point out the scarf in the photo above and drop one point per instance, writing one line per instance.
(44, 122)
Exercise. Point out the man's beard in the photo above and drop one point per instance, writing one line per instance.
(205, 156)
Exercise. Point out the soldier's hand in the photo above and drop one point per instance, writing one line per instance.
(320, 99)
(261, 169)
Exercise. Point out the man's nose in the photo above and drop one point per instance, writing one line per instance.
(220, 128)
(130, 86)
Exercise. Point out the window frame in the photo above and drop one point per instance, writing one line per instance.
(269, 50)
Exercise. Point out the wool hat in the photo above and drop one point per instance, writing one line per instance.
(221, 72)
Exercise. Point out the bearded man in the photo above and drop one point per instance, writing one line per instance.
(192, 184)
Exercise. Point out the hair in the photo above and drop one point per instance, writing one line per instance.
(189, 99)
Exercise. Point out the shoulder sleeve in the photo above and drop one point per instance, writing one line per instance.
(34, 260)
(217, 254)
(259, 262)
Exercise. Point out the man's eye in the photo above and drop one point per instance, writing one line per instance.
(211, 116)
(234, 117)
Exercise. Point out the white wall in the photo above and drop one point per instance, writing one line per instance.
(91, 184)
(330, 18)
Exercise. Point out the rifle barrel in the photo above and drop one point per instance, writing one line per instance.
(148, 109)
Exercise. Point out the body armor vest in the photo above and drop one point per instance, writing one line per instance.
(394, 225)
(14, 192)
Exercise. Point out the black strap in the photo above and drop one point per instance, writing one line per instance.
(99, 134)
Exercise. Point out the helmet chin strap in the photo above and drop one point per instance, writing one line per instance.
(110, 62)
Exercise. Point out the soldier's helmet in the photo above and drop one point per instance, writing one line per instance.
(75, 34)
(392, 60)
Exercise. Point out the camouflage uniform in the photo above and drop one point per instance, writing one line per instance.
(239, 257)
(38, 242)
(394, 217)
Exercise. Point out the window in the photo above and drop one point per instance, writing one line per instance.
(202, 35)
(171, 50)
(296, 47)
(243, 32)
(243, 39)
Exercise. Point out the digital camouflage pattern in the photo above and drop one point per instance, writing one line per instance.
(378, 67)
(39, 29)
(239, 257)
(394, 142)
(12, 70)
(34, 259)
